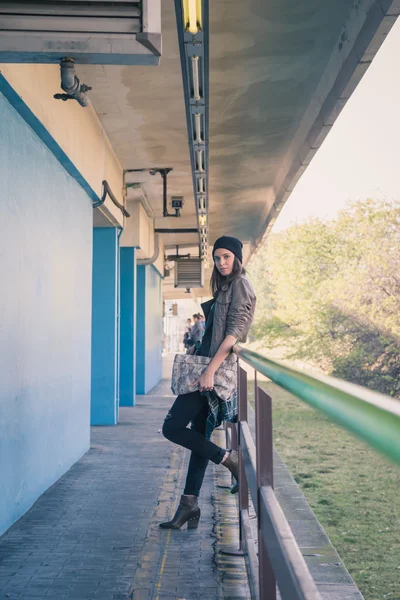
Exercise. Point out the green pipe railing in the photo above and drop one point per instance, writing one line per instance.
(371, 416)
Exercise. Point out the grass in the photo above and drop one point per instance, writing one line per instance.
(354, 492)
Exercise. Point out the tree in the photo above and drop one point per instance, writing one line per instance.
(330, 292)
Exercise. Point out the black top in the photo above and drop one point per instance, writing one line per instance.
(204, 349)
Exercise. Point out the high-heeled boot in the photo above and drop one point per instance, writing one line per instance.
(188, 512)
(232, 463)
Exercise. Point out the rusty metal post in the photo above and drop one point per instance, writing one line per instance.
(243, 487)
(265, 476)
(231, 435)
(227, 433)
(234, 436)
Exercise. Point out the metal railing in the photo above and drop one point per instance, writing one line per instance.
(373, 417)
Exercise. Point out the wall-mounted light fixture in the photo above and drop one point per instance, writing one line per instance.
(197, 122)
(201, 204)
(199, 156)
(192, 17)
(196, 82)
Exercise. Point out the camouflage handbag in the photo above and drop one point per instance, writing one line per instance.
(188, 368)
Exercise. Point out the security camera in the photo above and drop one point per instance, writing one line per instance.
(177, 202)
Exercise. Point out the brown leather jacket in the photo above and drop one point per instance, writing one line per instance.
(234, 312)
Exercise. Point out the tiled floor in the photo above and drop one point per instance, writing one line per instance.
(94, 534)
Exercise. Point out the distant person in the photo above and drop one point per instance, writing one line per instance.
(202, 321)
(186, 336)
(197, 331)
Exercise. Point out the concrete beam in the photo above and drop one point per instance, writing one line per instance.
(363, 33)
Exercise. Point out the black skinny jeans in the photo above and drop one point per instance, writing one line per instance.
(186, 408)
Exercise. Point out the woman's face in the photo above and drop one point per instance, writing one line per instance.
(224, 261)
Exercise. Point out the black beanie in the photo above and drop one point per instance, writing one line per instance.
(230, 243)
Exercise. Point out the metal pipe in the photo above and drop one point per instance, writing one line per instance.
(152, 259)
(143, 198)
(107, 192)
(165, 207)
(68, 78)
(176, 230)
(371, 416)
(164, 173)
(196, 82)
(176, 257)
(75, 90)
(265, 476)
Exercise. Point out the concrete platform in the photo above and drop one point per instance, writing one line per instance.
(94, 535)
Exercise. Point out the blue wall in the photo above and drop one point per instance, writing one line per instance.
(105, 367)
(128, 327)
(149, 329)
(45, 317)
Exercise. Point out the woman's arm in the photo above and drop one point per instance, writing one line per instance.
(206, 381)
(223, 351)
(239, 318)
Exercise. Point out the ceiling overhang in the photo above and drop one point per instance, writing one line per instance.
(279, 74)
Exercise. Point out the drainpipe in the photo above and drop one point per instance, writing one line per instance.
(75, 90)
(108, 192)
(152, 259)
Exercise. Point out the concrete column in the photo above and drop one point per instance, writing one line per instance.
(149, 329)
(128, 326)
(104, 393)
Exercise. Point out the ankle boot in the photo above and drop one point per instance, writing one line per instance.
(187, 512)
(232, 463)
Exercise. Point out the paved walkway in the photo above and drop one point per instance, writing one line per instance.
(94, 534)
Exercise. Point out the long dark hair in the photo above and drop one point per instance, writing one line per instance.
(218, 281)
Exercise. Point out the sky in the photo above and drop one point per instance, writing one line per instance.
(360, 157)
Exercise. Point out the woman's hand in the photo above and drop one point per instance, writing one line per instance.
(206, 382)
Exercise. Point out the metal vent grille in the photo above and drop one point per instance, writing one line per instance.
(189, 273)
(93, 17)
(107, 32)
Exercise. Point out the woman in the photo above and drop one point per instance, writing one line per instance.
(228, 318)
